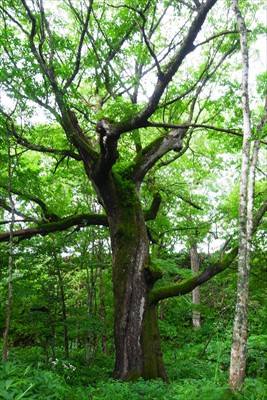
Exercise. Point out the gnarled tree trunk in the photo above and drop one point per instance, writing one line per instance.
(135, 327)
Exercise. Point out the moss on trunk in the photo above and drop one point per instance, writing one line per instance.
(153, 366)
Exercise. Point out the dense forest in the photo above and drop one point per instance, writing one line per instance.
(133, 198)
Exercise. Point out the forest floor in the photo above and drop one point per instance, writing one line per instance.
(28, 376)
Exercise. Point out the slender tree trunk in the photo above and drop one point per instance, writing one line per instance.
(196, 292)
(102, 310)
(10, 262)
(89, 317)
(90, 303)
(52, 323)
(246, 197)
(239, 345)
(52, 296)
(64, 312)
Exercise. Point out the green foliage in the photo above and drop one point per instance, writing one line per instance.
(28, 383)
(19, 381)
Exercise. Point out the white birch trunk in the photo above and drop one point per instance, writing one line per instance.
(246, 199)
(196, 318)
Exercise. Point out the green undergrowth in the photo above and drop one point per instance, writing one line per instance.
(18, 381)
(29, 382)
(28, 375)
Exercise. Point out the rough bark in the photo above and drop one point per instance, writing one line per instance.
(153, 366)
(132, 279)
(246, 197)
(137, 338)
(130, 256)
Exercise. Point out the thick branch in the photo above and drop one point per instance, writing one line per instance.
(154, 208)
(173, 66)
(187, 125)
(108, 138)
(34, 147)
(6, 207)
(63, 224)
(221, 265)
(147, 158)
(191, 283)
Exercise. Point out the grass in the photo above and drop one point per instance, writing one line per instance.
(191, 378)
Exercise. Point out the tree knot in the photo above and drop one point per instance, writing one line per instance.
(104, 127)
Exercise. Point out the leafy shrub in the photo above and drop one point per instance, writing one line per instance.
(18, 382)
(257, 356)
(145, 390)
(254, 389)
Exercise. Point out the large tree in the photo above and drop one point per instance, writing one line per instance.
(122, 85)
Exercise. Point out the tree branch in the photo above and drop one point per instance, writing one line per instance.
(190, 202)
(6, 207)
(147, 158)
(62, 224)
(43, 149)
(187, 47)
(47, 215)
(221, 265)
(79, 50)
(187, 125)
(154, 208)
(216, 36)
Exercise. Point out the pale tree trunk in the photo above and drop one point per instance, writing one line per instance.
(102, 310)
(10, 262)
(246, 197)
(64, 311)
(91, 278)
(102, 298)
(194, 259)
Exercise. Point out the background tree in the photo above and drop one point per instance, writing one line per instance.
(10, 171)
(246, 205)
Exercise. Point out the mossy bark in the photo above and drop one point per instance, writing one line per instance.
(137, 339)
(130, 254)
(153, 366)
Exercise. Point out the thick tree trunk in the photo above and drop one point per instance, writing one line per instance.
(136, 332)
(137, 339)
(153, 366)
